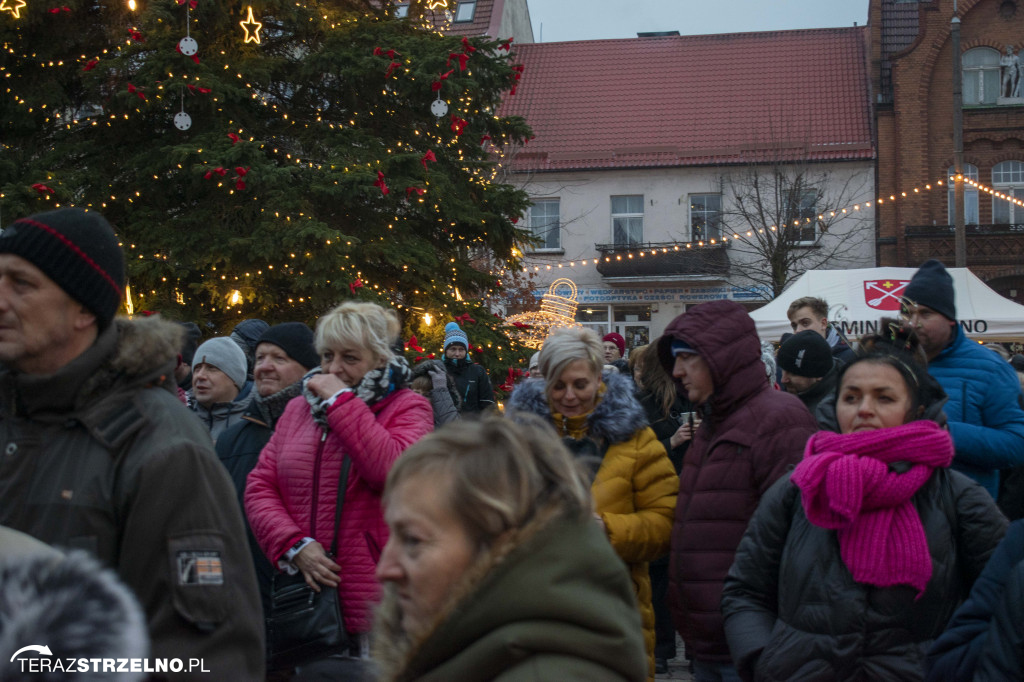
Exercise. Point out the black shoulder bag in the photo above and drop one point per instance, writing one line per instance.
(304, 625)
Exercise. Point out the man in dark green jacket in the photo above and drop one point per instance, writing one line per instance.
(99, 453)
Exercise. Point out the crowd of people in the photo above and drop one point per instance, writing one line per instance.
(817, 511)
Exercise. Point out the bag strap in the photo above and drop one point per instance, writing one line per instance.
(346, 464)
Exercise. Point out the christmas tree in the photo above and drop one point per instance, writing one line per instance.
(270, 160)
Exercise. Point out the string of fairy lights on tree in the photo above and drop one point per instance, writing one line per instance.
(188, 47)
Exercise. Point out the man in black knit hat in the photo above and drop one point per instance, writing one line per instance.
(99, 453)
(985, 419)
(808, 369)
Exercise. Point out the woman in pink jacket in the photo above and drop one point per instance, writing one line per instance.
(355, 407)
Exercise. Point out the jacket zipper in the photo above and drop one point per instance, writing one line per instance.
(316, 485)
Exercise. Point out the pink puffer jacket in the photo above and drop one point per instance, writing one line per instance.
(295, 476)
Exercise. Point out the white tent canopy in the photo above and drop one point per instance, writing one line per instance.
(857, 299)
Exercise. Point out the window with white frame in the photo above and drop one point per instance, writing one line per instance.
(401, 11)
(628, 219)
(1008, 178)
(465, 10)
(981, 76)
(545, 223)
(705, 217)
(970, 196)
(804, 216)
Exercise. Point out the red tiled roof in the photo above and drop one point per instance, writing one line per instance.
(694, 100)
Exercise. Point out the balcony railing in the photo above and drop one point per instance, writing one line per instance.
(986, 244)
(663, 260)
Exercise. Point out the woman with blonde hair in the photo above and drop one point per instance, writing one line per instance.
(599, 419)
(355, 410)
(495, 568)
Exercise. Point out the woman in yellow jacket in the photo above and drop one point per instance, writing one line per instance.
(635, 485)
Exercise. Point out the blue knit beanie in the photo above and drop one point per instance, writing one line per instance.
(454, 334)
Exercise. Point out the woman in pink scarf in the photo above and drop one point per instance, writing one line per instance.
(854, 562)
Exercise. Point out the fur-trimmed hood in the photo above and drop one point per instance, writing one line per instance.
(129, 354)
(616, 418)
(74, 606)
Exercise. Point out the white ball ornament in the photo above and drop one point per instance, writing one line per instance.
(439, 107)
(188, 46)
(182, 121)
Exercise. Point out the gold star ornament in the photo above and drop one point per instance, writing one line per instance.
(12, 6)
(434, 4)
(250, 26)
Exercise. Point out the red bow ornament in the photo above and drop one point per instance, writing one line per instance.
(429, 156)
(219, 171)
(458, 124)
(355, 285)
(418, 190)
(241, 173)
(234, 138)
(466, 46)
(414, 344)
(380, 183)
(391, 69)
(42, 189)
(463, 58)
(136, 35)
(520, 325)
(90, 65)
(137, 91)
(191, 3)
(507, 45)
(464, 318)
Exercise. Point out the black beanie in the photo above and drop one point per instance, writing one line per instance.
(806, 354)
(932, 287)
(295, 339)
(76, 249)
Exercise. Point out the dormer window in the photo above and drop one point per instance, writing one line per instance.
(401, 10)
(465, 10)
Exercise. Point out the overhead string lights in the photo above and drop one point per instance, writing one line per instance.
(650, 252)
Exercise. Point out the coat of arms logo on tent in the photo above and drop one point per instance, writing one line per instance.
(884, 294)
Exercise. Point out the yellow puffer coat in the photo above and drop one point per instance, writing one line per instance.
(635, 487)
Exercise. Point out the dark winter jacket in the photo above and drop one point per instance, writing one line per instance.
(985, 419)
(841, 351)
(635, 486)
(102, 456)
(1003, 656)
(793, 611)
(238, 449)
(750, 435)
(954, 656)
(554, 603)
(665, 425)
(813, 396)
(473, 385)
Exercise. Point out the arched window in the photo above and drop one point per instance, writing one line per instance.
(1008, 178)
(970, 196)
(981, 76)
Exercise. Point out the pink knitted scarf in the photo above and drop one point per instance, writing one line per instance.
(846, 485)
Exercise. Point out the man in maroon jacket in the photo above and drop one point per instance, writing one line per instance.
(749, 436)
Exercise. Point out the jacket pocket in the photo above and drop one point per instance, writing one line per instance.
(199, 578)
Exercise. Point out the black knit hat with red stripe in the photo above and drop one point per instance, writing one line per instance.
(78, 250)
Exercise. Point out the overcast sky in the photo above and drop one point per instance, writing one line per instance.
(558, 20)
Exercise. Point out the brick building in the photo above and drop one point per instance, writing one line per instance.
(911, 80)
